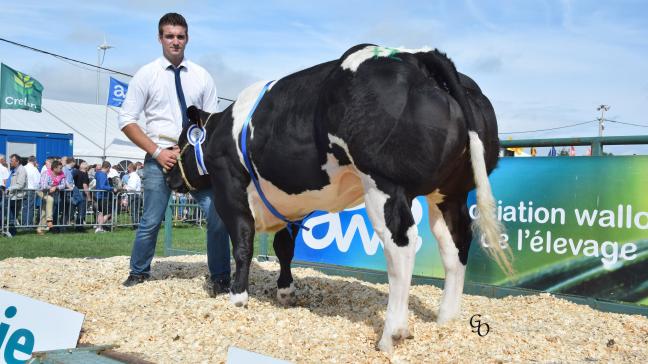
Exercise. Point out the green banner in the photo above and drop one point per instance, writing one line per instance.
(575, 226)
(19, 91)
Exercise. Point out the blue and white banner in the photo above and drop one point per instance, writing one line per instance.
(116, 92)
(347, 238)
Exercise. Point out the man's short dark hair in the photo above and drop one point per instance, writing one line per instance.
(31, 159)
(15, 156)
(172, 19)
(105, 164)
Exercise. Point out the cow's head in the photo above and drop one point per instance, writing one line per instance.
(184, 176)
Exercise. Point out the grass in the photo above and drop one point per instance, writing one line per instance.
(119, 242)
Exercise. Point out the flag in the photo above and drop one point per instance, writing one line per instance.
(116, 92)
(19, 91)
(552, 152)
(572, 151)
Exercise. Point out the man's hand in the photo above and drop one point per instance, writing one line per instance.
(168, 157)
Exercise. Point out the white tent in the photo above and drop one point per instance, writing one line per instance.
(87, 122)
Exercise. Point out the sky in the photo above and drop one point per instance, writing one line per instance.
(543, 64)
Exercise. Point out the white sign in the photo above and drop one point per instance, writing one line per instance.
(240, 356)
(28, 325)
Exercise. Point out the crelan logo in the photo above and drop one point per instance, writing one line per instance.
(23, 84)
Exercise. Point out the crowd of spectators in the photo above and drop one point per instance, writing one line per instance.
(61, 193)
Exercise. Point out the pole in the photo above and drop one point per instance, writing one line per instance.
(105, 131)
(102, 47)
(98, 65)
(602, 109)
(1, 93)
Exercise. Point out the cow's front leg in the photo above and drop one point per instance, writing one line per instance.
(389, 210)
(284, 247)
(243, 244)
(231, 201)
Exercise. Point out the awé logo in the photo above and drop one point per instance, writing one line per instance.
(117, 92)
(357, 224)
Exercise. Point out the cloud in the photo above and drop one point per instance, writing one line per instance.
(488, 64)
(85, 34)
(480, 16)
(229, 82)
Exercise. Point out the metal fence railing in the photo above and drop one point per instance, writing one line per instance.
(74, 210)
(185, 209)
(596, 143)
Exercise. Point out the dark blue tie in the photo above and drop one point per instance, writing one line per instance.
(181, 98)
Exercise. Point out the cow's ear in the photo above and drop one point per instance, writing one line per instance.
(193, 113)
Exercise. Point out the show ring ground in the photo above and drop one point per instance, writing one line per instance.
(170, 319)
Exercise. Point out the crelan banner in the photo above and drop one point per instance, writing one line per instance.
(19, 91)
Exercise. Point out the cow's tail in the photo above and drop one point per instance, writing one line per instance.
(486, 225)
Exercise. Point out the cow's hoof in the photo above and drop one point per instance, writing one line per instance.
(239, 299)
(403, 333)
(445, 317)
(286, 296)
(385, 345)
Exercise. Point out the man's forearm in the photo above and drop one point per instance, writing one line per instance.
(137, 136)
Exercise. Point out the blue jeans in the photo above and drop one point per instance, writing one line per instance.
(156, 197)
(28, 209)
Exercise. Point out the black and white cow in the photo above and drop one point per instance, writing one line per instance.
(378, 125)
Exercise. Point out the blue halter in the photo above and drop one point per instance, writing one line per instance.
(255, 180)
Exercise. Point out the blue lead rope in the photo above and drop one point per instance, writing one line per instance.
(255, 180)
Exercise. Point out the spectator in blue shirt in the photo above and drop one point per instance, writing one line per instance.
(103, 197)
(65, 200)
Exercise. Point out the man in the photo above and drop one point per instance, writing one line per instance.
(103, 197)
(139, 167)
(162, 90)
(51, 183)
(48, 164)
(80, 195)
(16, 190)
(113, 177)
(33, 184)
(4, 171)
(134, 187)
(66, 205)
(68, 169)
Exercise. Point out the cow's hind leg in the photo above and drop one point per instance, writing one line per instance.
(389, 210)
(284, 246)
(450, 224)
